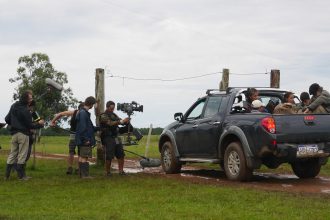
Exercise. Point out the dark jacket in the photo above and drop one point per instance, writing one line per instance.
(85, 128)
(323, 99)
(20, 119)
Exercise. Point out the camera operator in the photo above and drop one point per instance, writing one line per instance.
(20, 120)
(85, 138)
(109, 123)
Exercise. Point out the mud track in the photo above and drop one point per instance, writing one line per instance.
(260, 181)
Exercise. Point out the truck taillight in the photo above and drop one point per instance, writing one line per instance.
(269, 124)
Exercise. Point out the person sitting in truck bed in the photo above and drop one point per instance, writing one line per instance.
(251, 95)
(305, 101)
(320, 102)
(288, 106)
(258, 107)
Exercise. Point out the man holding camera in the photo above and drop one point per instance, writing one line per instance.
(20, 120)
(109, 123)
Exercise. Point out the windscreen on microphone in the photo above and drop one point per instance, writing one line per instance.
(54, 84)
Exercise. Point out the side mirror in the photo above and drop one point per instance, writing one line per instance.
(178, 116)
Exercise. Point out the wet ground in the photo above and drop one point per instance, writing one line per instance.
(263, 181)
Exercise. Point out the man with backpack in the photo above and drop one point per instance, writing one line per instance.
(72, 141)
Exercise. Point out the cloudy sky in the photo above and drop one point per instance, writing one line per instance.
(167, 39)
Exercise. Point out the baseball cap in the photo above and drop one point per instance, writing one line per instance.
(257, 104)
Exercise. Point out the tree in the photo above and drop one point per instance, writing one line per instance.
(31, 74)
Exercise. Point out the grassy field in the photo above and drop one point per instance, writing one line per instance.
(52, 195)
(59, 145)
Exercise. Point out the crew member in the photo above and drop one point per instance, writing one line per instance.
(72, 141)
(320, 103)
(288, 106)
(110, 122)
(258, 106)
(20, 120)
(85, 138)
(305, 100)
(251, 95)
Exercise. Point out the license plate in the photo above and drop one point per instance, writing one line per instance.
(307, 150)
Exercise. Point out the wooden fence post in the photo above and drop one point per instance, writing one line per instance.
(225, 80)
(275, 77)
(99, 96)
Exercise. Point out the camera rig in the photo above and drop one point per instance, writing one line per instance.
(129, 109)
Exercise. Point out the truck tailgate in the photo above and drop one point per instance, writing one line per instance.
(302, 128)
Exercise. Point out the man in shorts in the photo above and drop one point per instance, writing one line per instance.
(72, 141)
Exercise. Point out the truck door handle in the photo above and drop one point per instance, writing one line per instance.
(195, 126)
(216, 123)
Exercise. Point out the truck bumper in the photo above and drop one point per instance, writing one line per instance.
(289, 151)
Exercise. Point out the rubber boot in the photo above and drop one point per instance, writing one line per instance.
(80, 168)
(24, 173)
(137, 134)
(85, 171)
(20, 172)
(8, 171)
(14, 168)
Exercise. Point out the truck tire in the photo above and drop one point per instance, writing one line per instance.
(235, 165)
(304, 169)
(170, 162)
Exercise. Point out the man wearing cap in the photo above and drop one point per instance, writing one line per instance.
(320, 103)
(258, 106)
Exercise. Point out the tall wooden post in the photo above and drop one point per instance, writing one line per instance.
(99, 96)
(225, 80)
(275, 77)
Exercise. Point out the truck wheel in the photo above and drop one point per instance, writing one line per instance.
(304, 169)
(235, 163)
(170, 162)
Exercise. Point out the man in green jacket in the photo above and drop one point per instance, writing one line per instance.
(320, 102)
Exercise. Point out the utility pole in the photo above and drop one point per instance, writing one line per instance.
(275, 77)
(225, 80)
(100, 101)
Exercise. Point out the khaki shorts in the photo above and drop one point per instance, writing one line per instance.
(72, 145)
(85, 151)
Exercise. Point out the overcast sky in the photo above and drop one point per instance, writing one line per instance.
(167, 39)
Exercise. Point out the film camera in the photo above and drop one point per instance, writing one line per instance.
(129, 108)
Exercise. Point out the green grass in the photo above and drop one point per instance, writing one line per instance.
(59, 145)
(52, 195)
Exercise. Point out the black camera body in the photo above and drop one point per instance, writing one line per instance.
(129, 108)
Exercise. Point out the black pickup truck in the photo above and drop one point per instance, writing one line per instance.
(218, 128)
